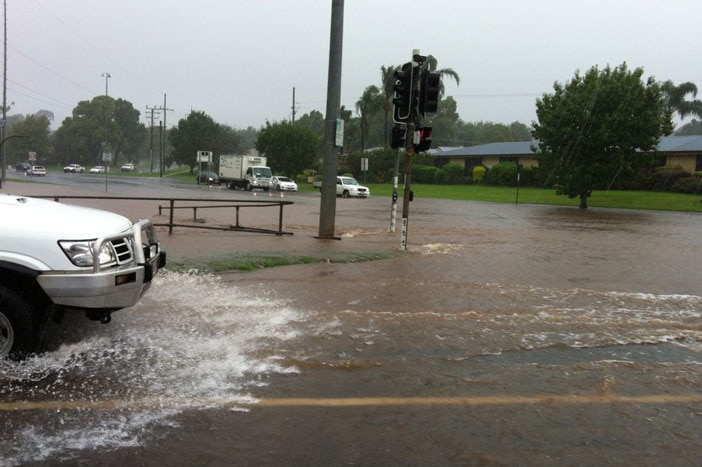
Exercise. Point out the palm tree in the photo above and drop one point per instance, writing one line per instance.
(432, 64)
(676, 99)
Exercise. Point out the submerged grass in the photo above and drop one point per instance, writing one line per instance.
(253, 261)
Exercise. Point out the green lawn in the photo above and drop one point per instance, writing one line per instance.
(661, 201)
(610, 199)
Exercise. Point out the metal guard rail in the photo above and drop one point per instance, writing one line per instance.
(231, 203)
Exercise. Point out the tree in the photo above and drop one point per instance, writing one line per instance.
(692, 128)
(290, 149)
(591, 130)
(370, 103)
(132, 133)
(36, 129)
(197, 132)
(432, 64)
(313, 120)
(102, 124)
(676, 99)
(387, 77)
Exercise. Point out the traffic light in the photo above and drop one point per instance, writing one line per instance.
(405, 99)
(398, 137)
(423, 142)
(429, 92)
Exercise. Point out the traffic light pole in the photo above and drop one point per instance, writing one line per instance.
(409, 153)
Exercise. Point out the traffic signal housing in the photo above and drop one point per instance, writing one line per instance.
(405, 100)
(398, 136)
(423, 142)
(430, 86)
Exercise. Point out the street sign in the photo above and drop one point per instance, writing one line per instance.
(204, 156)
(32, 156)
(339, 133)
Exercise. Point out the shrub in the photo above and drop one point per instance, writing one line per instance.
(479, 174)
(424, 173)
(690, 185)
(664, 177)
(450, 174)
(502, 174)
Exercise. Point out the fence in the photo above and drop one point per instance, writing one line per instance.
(171, 207)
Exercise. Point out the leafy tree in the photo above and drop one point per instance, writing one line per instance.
(692, 128)
(370, 103)
(229, 141)
(131, 133)
(100, 125)
(290, 149)
(197, 132)
(247, 138)
(81, 137)
(314, 121)
(444, 123)
(591, 129)
(36, 129)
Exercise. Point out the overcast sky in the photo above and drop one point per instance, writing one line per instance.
(238, 60)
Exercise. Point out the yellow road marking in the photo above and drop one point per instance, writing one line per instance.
(357, 402)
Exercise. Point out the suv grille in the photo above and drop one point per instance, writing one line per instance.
(123, 250)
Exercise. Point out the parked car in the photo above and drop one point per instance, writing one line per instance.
(23, 167)
(283, 183)
(128, 167)
(37, 171)
(98, 169)
(209, 178)
(74, 169)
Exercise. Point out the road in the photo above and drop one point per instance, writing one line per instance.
(505, 335)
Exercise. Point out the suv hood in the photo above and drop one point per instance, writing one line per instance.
(26, 219)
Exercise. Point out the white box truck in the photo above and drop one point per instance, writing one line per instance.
(244, 172)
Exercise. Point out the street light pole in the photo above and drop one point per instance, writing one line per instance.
(107, 76)
(2, 156)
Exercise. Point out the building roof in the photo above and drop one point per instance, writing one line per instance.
(524, 148)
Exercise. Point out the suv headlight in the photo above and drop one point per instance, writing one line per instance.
(81, 253)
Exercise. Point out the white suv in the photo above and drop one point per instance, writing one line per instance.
(347, 187)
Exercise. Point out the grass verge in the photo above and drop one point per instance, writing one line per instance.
(252, 262)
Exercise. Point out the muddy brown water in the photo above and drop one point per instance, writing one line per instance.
(505, 335)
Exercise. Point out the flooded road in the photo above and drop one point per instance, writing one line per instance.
(506, 335)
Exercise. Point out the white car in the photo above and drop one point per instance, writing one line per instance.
(98, 169)
(128, 168)
(37, 171)
(74, 169)
(283, 184)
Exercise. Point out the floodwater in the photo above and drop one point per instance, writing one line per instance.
(505, 335)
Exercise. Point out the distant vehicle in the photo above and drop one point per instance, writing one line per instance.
(98, 169)
(209, 178)
(23, 167)
(347, 187)
(283, 183)
(128, 167)
(37, 171)
(74, 168)
(247, 172)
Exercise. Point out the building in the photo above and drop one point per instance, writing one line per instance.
(683, 151)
